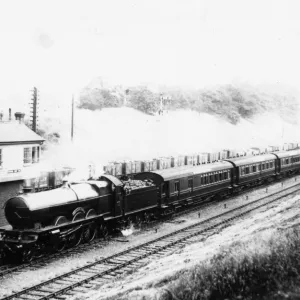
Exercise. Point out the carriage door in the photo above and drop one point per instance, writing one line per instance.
(277, 166)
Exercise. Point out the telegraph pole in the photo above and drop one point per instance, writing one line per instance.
(33, 111)
(72, 119)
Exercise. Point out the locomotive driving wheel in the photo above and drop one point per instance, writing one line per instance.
(61, 244)
(89, 232)
(76, 237)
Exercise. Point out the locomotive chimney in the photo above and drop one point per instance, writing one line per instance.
(19, 117)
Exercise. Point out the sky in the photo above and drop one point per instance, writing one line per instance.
(60, 46)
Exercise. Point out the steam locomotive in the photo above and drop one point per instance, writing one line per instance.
(78, 211)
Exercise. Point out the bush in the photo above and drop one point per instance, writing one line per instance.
(261, 276)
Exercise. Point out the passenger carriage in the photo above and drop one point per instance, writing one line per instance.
(183, 185)
(253, 169)
(288, 162)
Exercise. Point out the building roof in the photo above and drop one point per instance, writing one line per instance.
(17, 133)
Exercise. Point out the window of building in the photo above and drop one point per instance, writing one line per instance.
(34, 154)
(38, 153)
(176, 186)
(27, 155)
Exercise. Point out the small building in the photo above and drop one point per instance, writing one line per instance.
(20, 150)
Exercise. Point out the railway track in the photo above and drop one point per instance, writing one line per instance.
(98, 272)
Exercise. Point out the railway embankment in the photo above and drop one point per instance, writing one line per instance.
(254, 258)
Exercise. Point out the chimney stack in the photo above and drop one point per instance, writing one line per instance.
(9, 113)
(19, 117)
(1, 116)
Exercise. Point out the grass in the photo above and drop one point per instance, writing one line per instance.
(271, 274)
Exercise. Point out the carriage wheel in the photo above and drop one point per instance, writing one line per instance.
(146, 218)
(138, 220)
(76, 237)
(103, 231)
(60, 246)
(90, 231)
(129, 222)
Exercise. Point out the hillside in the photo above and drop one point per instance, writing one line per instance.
(137, 132)
(230, 102)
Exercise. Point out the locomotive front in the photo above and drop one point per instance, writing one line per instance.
(37, 210)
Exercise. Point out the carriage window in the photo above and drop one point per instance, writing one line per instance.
(259, 167)
(247, 170)
(225, 175)
(263, 166)
(163, 188)
(202, 180)
(254, 168)
(216, 177)
(190, 183)
(271, 164)
(228, 174)
(287, 161)
(267, 165)
(176, 186)
(211, 178)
